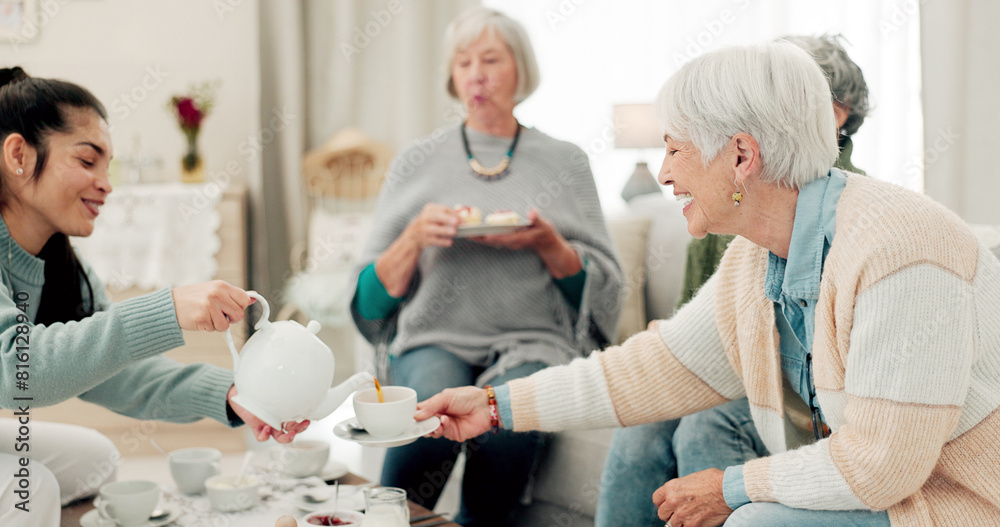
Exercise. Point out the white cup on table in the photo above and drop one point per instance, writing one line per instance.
(190, 467)
(128, 503)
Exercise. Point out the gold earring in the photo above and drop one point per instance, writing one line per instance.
(19, 171)
(737, 196)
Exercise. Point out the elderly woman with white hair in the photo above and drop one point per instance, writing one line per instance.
(647, 456)
(451, 311)
(884, 295)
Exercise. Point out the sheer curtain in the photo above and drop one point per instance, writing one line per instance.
(593, 55)
(277, 222)
(377, 65)
(961, 75)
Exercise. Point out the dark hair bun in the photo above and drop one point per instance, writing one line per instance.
(10, 75)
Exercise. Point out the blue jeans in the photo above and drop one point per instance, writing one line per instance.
(640, 460)
(497, 466)
(721, 437)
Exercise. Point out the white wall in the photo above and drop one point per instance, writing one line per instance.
(961, 73)
(135, 54)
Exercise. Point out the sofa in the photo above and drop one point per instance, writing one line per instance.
(651, 238)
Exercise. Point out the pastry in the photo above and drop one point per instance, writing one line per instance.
(503, 217)
(469, 215)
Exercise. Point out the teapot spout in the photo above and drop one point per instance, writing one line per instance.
(338, 394)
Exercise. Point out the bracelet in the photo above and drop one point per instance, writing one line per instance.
(494, 413)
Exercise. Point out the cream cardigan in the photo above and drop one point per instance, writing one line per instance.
(906, 359)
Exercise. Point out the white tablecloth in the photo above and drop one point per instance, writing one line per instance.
(155, 235)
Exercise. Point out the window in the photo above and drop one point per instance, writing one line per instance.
(594, 54)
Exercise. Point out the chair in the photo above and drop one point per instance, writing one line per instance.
(342, 179)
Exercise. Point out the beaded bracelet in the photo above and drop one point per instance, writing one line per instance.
(494, 413)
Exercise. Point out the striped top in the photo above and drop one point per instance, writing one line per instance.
(494, 306)
(906, 358)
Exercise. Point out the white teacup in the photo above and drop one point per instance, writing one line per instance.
(128, 503)
(387, 419)
(190, 467)
(303, 457)
(225, 496)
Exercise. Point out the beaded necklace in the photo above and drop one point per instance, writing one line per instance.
(490, 174)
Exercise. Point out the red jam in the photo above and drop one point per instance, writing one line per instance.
(327, 520)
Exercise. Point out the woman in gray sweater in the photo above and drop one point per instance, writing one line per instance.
(451, 311)
(60, 337)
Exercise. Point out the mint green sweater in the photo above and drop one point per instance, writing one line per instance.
(111, 358)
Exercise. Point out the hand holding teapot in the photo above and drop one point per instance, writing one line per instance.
(284, 374)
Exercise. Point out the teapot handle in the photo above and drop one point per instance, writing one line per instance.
(265, 317)
(260, 323)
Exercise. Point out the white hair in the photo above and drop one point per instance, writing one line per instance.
(466, 29)
(774, 92)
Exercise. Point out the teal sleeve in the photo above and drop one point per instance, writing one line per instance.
(502, 394)
(165, 390)
(371, 299)
(68, 359)
(572, 286)
(733, 487)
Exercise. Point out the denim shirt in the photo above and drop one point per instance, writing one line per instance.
(793, 286)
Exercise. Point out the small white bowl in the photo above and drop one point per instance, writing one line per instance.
(225, 496)
(346, 517)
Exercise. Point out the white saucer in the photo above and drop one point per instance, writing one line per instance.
(416, 430)
(351, 498)
(489, 230)
(93, 519)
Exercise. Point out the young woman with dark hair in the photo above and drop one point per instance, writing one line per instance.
(60, 337)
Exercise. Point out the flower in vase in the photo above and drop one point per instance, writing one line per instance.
(190, 110)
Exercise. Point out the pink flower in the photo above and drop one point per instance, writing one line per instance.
(188, 113)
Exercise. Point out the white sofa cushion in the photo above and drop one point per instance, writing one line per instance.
(629, 235)
(666, 252)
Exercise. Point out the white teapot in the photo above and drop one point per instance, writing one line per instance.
(285, 372)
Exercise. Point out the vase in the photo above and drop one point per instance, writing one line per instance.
(191, 165)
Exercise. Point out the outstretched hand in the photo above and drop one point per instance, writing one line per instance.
(464, 413)
(261, 430)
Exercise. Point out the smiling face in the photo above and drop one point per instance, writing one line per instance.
(706, 190)
(485, 75)
(67, 195)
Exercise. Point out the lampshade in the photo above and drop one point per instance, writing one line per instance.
(636, 127)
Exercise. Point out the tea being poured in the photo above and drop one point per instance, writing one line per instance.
(378, 390)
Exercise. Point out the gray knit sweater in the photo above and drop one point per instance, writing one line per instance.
(495, 308)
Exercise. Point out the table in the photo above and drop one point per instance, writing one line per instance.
(71, 515)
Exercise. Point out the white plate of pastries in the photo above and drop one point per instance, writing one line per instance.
(499, 222)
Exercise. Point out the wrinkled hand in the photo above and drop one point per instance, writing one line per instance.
(538, 236)
(209, 306)
(693, 501)
(261, 430)
(435, 226)
(558, 256)
(464, 413)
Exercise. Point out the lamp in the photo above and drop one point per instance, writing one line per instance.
(636, 127)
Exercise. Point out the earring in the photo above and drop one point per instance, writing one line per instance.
(737, 196)
(19, 171)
